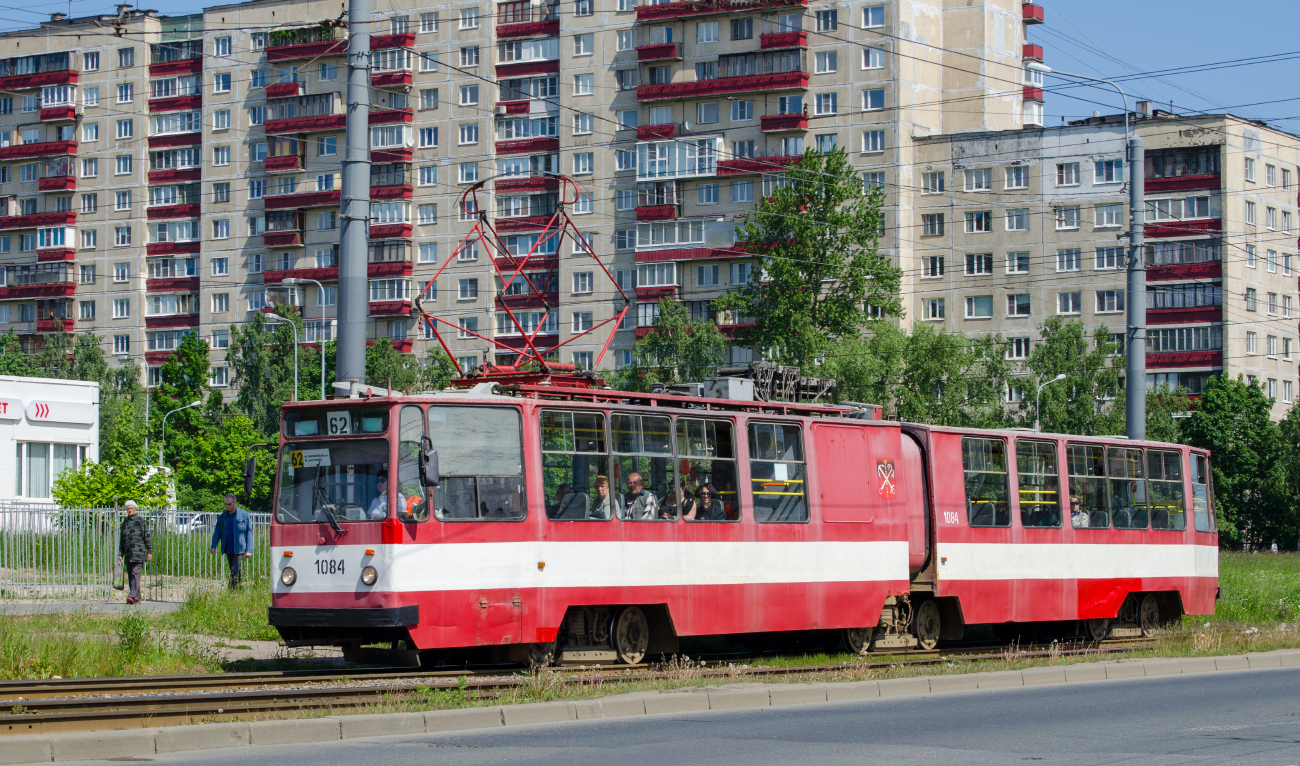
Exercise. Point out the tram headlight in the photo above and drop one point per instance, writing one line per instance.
(288, 576)
(369, 576)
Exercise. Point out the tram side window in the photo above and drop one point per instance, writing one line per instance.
(1128, 491)
(575, 467)
(984, 462)
(1165, 479)
(643, 468)
(777, 474)
(706, 450)
(1089, 501)
(1202, 497)
(481, 461)
(412, 498)
(1040, 484)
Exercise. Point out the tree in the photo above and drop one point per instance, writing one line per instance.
(1083, 402)
(815, 238)
(677, 349)
(183, 379)
(98, 485)
(12, 359)
(214, 466)
(1162, 404)
(868, 368)
(260, 357)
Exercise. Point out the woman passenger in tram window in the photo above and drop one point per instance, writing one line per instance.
(678, 503)
(1078, 516)
(604, 507)
(710, 507)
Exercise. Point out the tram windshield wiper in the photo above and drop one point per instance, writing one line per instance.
(320, 501)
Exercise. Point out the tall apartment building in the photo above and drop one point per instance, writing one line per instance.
(1017, 227)
(161, 174)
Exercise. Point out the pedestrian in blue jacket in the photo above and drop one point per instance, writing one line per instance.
(234, 533)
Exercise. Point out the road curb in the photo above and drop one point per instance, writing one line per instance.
(47, 748)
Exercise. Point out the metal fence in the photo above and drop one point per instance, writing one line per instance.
(47, 552)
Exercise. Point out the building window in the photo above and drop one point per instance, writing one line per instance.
(932, 265)
(979, 307)
(1067, 217)
(932, 224)
(1109, 216)
(979, 222)
(121, 308)
(873, 141)
(932, 308)
(1109, 171)
(979, 264)
(1110, 258)
(1069, 303)
(742, 191)
(1109, 301)
(1069, 260)
(1018, 305)
(1251, 302)
(825, 62)
(1067, 174)
(1018, 219)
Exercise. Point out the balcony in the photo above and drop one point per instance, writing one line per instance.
(172, 248)
(57, 183)
(172, 320)
(54, 325)
(285, 164)
(282, 239)
(657, 292)
(528, 145)
(515, 107)
(390, 230)
(184, 66)
(38, 220)
(1168, 359)
(49, 290)
(523, 223)
(402, 154)
(658, 52)
(530, 184)
(775, 40)
(751, 165)
(175, 175)
(305, 43)
(389, 308)
(391, 79)
(302, 200)
(175, 139)
(1032, 14)
(744, 84)
(38, 149)
(1182, 183)
(526, 68)
(175, 104)
(391, 116)
(172, 211)
(54, 255)
(652, 132)
(389, 269)
(528, 29)
(656, 212)
(1191, 314)
(1031, 52)
(775, 123)
(38, 80)
(536, 262)
(1168, 271)
(284, 90)
(382, 42)
(315, 123)
(172, 285)
(708, 7)
(1183, 228)
(1032, 93)
(323, 274)
(399, 191)
(66, 113)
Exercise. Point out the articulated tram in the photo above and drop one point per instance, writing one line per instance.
(561, 522)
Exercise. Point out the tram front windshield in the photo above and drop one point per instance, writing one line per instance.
(334, 481)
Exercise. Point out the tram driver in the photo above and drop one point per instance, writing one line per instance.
(378, 510)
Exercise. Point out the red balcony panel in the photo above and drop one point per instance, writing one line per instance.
(641, 332)
(284, 90)
(58, 114)
(401, 346)
(658, 52)
(1031, 52)
(402, 191)
(537, 183)
(1183, 228)
(57, 183)
(390, 79)
(158, 357)
(656, 212)
(1030, 93)
(66, 218)
(651, 132)
(527, 68)
(59, 254)
(774, 40)
(389, 269)
(184, 66)
(390, 230)
(307, 50)
(389, 116)
(531, 263)
(748, 165)
(745, 84)
(1184, 183)
(178, 104)
(772, 123)
(528, 145)
(526, 223)
(655, 293)
(389, 308)
(392, 155)
(542, 341)
(1163, 272)
(177, 139)
(283, 164)
(1191, 315)
(183, 284)
(325, 274)
(305, 124)
(688, 254)
(305, 199)
(40, 149)
(54, 325)
(175, 320)
(521, 106)
(57, 290)
(516, 302)
(1032, 14)
(529, 29)
(282, 239)
(1166, 360)
(732, 330)
(380, 42)
(38, 80)
(172, 248)
(706, 7)
(175, 175)
(172, 211)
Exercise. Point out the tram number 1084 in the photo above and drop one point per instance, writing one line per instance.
(951, 517)
(329, 566)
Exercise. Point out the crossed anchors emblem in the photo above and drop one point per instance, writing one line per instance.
(885, 472)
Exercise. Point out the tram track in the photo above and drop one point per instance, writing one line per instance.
(62, 705)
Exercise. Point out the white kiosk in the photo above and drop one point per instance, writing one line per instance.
(46, 425)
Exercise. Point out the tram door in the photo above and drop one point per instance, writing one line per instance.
(911, 481)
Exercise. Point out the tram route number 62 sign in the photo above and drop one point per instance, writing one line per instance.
(885, 475)
(338, 423)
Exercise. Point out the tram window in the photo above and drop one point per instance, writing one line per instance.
(984, 462)
(1165, 479)
(645, 485)
(575, 475)
(1128, 491)
(1089, 499)
(1202, 496)
(1039, 484)
(412, 498)
(777, 474)
(706, 450)
(480, 458)
(338, 480)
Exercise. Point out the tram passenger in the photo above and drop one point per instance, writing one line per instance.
(379, 506)
(639, 502)
(710, 507)
(1078, 516)
(604, 506)
(677, 503)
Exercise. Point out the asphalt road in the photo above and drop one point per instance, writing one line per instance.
(1249, 717)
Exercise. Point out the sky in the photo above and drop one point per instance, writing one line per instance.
(1101, 38)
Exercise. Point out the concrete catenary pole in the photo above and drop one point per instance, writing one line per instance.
(353, 311)
(1135, 388)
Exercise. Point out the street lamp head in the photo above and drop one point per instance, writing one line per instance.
(275, 317)
(1036, 66)
(291, 281)
(1059, 377)
(195, 403)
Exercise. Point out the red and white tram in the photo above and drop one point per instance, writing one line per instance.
(593, 524)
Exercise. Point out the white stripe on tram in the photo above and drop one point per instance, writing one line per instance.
(1011, 561)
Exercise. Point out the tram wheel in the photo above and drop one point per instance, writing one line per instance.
(927, 624)
(1149, 615)
(857, 640)
(631, 635)
(1097, 629)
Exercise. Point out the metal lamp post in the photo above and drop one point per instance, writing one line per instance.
(1038, 398)
(163, 443)
(319, 286)
(122, 358)
(276, 318)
